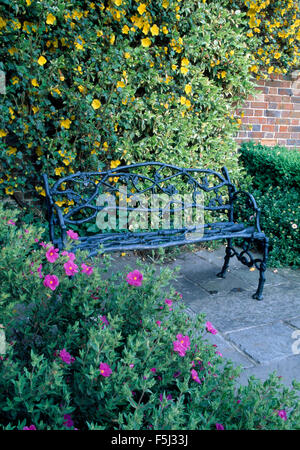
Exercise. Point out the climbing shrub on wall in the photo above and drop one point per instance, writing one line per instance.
(98, 84)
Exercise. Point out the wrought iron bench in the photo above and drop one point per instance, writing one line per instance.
(73, 202)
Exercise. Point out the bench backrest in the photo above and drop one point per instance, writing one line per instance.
(75, 197)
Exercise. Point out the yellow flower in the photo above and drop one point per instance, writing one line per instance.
(125, 29)
(99, 33)
(165, 4)
(66, 161)
(165, 30)
(12, 50)
(142, 8)
(184, 62)
(254, 68)
(277, 55)
(188, 89)
(3, 133)
(184, 70)
(65, 123)
(59, 170)
(79, 43)
(9, 190)
(60, 203)
(34, 82)
(96, 104)
(112, 39)
(105, 146)
(82, 89)
(114, 164)
(50, 19)
(11, 150)
(15, 80)
(270, 69)
(154, 30)
(42, 60)
(146, 42)
(120, 84)
(182, 100)
(35, 109)
(127, 55)
(118, 2)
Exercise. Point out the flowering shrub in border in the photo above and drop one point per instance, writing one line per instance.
(99, 352)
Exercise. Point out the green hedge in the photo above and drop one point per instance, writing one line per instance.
(271, 166)
(276, 187)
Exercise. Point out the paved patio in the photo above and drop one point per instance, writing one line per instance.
(261, 336)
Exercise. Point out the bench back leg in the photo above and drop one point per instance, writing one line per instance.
(228, 255)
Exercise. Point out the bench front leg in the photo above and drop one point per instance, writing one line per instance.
(262, 268)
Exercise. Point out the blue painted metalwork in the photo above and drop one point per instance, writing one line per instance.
(82, 189)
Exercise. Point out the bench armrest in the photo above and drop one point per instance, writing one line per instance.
(250, 202)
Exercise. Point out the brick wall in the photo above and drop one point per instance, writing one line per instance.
(273, 115)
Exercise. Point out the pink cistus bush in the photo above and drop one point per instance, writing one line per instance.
(88, 351)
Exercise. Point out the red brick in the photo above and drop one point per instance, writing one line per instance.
(283, 135)
(286, 106)
(262, 89)
(258, 112)
(283, 129)
(281, 121)
(263, 105)
(295, 122)
(273, 91)
(248, 112)
(255, 134)
(268, 127)
(269, 136)
(268, 142)
(273, 98)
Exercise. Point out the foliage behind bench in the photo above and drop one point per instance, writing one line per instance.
(276, 186)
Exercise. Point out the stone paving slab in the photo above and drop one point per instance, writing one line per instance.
(264, 343)
(287, 368)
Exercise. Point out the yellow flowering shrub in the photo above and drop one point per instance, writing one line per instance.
(273, 29)
(94, 85)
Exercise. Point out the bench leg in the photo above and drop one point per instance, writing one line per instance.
(228, 255)
(262, 268)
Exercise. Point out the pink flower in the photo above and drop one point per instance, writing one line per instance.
(68, 421)
(153, 369)
(210, 328)
(43, 244)
(31, 427)
(52, 254)
(219, 353)
(219, 426)
(51, 281)
(70, 268)
(72, 235)
(158, 322)
(39, 270)
(195, 377)
(131, 366)
(71, 255)
(181, 345)
(134, 278)
(282, 414)
(87, 269)
(104, 320)
(105, 370)
(65, 356)
(169, 303)
(11, 222)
